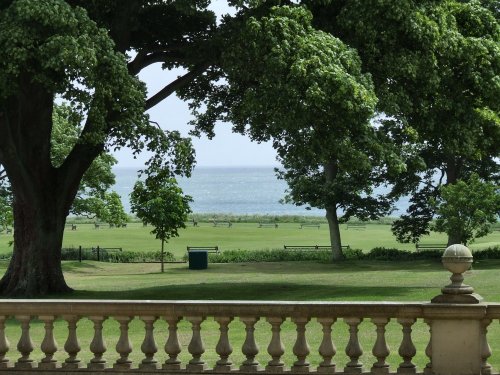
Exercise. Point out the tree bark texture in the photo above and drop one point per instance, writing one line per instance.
(452, 176)
(330, 169)
(162, 256)
(335, 240)
(35, 268)
(42, 194)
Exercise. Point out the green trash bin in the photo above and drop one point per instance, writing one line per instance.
(198, 259)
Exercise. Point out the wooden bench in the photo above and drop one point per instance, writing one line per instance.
(312, 247)
(73, 226)
(208, 249)
(358, 226)
(268, 225)
(309, 225)
(8, 230)
(96, 226)
(430, 246)
(223, 224)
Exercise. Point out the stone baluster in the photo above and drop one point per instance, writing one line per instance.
(149, 347)
(172, 346)
(25, 345)
(97, 346)
(353, 349)
(407, 350)
(4, 344)
(301, 347)
(123, 345)
(49, 344)
(327, 349)
(276, 349)
(223, 347)
(380, 349)
(428, 351)
(485, 348)
(250, 348)
(72, 346)
(196, 347)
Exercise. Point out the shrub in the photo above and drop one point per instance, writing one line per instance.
(274, 255)
(488, 253)
(116, 256)
(382, 253)
(391, 254)
(352, 253)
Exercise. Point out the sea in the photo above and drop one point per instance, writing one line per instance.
(230, 190)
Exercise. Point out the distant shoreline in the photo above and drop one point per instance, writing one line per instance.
(210, 167)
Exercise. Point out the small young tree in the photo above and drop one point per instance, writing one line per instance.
(162, 204)
(468, 208)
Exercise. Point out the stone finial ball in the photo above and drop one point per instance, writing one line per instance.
(457, 258)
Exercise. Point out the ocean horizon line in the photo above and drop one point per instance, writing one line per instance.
(210, 166)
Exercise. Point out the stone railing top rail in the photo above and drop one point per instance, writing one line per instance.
(365, 309)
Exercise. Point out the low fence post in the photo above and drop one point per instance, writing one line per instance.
(80, 253)
(98, 256)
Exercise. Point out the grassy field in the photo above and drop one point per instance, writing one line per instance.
(245, 236)
(305, 281)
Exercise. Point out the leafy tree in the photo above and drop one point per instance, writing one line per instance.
(161, 203)
(113, 212)
(57, 48)
(467, 208)
(304, 90)
(435, 66)
(6, 217)
(99, 177)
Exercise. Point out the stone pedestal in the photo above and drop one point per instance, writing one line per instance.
(456, 347)
(457, 334)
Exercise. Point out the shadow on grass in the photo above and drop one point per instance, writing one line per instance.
(310, 267)
(254, 291)
(80, 267)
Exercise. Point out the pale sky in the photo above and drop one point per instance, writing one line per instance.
(226, 149)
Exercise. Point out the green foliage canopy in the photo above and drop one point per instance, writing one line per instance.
(305, 91)
(98, 179)
(435, 66)
(468, 208)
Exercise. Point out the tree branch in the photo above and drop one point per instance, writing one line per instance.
(176, 85)
(3, 174)
(143, 60)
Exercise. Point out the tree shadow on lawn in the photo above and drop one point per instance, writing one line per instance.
(308, 267)
(257, 291)
(80, 267)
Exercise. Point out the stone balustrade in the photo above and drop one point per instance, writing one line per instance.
(335, 322)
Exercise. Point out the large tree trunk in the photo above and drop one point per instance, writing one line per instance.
(333, 225)
(42, 194)
(35, 268)
(452, 176)
(331, 170)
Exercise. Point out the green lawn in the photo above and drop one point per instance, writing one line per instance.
(305, 281)
(241, 236)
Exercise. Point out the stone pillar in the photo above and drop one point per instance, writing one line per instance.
(456, 339)
(456, 334)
